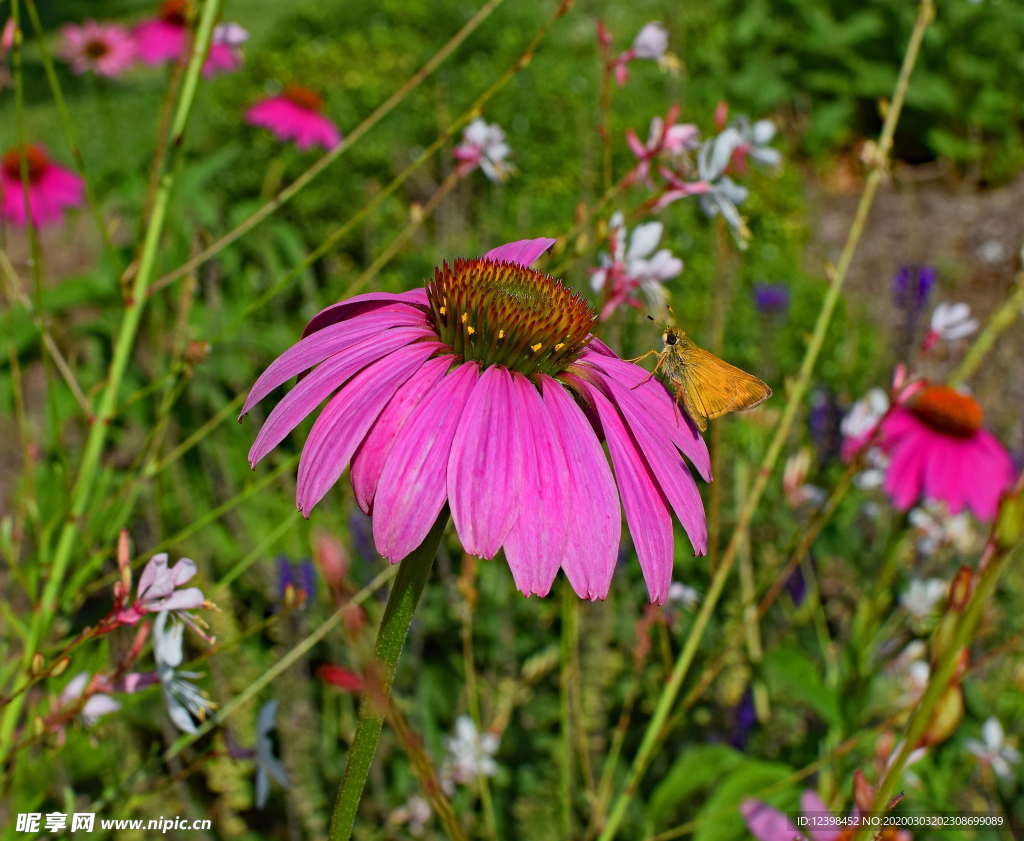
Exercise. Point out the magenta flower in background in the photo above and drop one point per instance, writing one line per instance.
(7, 37)
(51, 188)
(105, 49)
(487, 391)
(768, 824)
(939, 451)
(296, 114)
(165, 38)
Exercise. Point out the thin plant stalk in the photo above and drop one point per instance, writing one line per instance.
(837, 276)
(568, 642)
(342, 230)
(378, 114)
(413, 572)
(998, 322)
(97, 438)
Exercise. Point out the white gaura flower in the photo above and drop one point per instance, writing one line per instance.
(184, 700)
(484, 145)
(686, 597)
(993, 749)
(97, 705)
(268, 766)
(754, 140)
(723, 194)
(922, 596)
(950, 322)
(470, 754)
(651, 41)
(625, 270)
(864, 416)
(936, 528)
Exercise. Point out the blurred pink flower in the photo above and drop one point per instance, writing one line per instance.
(650, 43)
(51, 188)
(97, 705)
(483, 145)
(158, 590)
(165, 38)
(939, 451)
(7, 36)
(437, 392)
(102, 48)
(768, 824)
(296, 115)
(665, 137)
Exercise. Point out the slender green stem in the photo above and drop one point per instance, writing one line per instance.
(89, 467)
(568, 643)
(413, 572)
(654, 732)
(999, 321)
(330, 157)
(942, 674)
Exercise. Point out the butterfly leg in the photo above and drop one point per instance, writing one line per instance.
(661, 358)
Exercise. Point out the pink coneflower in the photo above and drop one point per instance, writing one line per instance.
(102, 48)
(939, 451)
(486, 391)
(166, 38)
(296, 114)
(51, 188)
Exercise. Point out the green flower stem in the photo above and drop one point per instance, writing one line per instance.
(999, 321)
(999, 559)
(570, 633)
(98, 431)
(413, 572)
(330, 157)
(798, 389)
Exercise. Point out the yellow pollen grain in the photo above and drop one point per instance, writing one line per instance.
(559, 346)
(501, 334)
(470, 330)
(465, 317)
(536, 347)
(443, 310)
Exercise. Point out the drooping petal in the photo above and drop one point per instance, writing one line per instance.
(413, 484)
(182, 571)
(357, 304)
(327, 378)
(903, 476)
(666, 464)
(592, 532)
(485, 470)
(318, 346)
(536, 543)
(768, 824)
(343, 423)
(656, 400)
(646, 509)
(155, 573)
(524, 251)
(943, 474)
(188, 599)
(369, 459)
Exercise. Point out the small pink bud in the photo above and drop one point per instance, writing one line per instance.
(721, 114)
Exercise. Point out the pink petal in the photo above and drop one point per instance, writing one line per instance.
(994, 474)
(155, 577)
(524, 251)
(316, 347)
(187, 599)
(647, 514)
(182, 571)
(768, 824)
(485, 470)
(657, 401)
(811, 804)
(413, 484)
(536, 543)
(344, 422)
(943, 475)
(327, 378)
(593, 529)
(369, 459)
(351, 307)
(667, 465)
(903, 476)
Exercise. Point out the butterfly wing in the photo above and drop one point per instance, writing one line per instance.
(710, 387)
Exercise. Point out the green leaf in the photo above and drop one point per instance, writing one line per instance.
(792, 675)
(695, 768)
